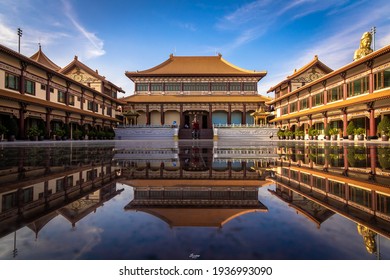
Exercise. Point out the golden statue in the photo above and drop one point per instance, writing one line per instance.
(368, 238)
(365, 46)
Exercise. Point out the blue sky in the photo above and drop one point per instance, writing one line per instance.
(118, 36)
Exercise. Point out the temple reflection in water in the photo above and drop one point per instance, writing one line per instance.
(197, 184)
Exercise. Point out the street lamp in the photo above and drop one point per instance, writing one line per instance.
(373, 31)
(20, 32)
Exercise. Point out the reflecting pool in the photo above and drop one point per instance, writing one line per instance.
(176, 200)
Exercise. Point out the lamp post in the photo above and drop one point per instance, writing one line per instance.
(20, 32)
(373, 31)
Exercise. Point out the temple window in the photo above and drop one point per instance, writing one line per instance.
(141, 87)
(293, 107)
(284, 110)
(196, 87)
(360, 196)
(337, 188)
(250, 86)
(235, 86)
(335, 93)
(156, 87)
(61, 97)
(219, 86)
(382, 79)
(304, 104)
(172, 86)
(358, 86)
(318, 99)
(11, 81)
(29, 87)
(71, 99)
(90, 105)
(383, 203)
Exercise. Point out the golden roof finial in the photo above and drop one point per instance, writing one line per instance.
(365, 46)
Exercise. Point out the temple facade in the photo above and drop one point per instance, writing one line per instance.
(182, 89)
(317, 98)
(37, 93)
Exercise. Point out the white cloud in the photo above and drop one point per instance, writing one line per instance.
(95, 46)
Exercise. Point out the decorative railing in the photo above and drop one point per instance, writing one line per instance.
(244, 125)
(147, 126)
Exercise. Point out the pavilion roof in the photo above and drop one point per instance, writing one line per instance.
(41, 58)
(94, 73)
(314, 62)
(196, 66)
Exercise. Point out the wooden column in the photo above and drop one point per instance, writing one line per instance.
(23, 66)
(243, 121)
(372, 132)
(373, 158)
(345, 122)
(22, 112)
(181, 116)
(210, 124)
(147, 115)
(162, 118)
(229, 120)
(48, 119)
(49, 77)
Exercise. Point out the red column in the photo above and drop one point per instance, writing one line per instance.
(345, 91)
(181, 116)
(243, 121)
(373, 158)
(210, 122)
(162, 119)
(325, 97)
(229, 120)
(345, 123)
(345, 156)
(371, 82)
(372, 132)
(147, 115)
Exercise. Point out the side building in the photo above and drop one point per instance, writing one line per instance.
(182, 89)
(315, 97)
(37, 93)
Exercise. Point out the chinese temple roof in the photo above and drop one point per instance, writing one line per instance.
(196, 66)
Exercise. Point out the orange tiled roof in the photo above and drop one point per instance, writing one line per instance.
(192, 98)
(314, 62)
(196, 65)
(337, 105)
(41, 58)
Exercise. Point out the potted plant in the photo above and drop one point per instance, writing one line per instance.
(384, 128)
(384, 157)
(77, 134)
(33, 133)
(280, 134)
(300, 134)
(59, 133)
(334, 132)
(351, 130)
(327, 132)
(360, 133)
(91, 135)
(3, 131)
(288, 134)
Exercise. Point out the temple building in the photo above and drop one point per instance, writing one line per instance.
(182, 89)
(37, 93)
(318, 98)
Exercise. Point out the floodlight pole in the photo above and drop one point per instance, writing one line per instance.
(20, 32)
(373, 31)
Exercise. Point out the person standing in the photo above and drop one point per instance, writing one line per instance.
(195, 129)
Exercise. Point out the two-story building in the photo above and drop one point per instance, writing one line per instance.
(317, 97)
(35, 92)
